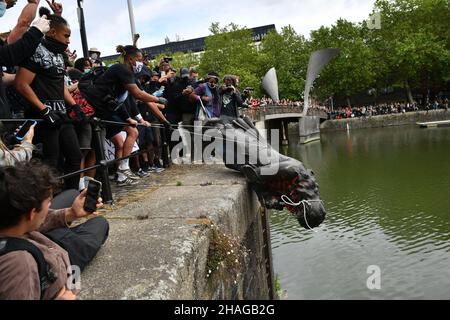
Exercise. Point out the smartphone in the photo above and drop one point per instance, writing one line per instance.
(21, 134)
(93, 193)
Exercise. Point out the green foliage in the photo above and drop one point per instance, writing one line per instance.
(288, 53)
(230, 50)
(413, 45)
(412, 49)
(352, 71)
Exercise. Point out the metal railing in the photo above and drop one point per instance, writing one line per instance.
(260, 113)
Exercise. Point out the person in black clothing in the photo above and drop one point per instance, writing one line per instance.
(230, 100)
(40, 81)
(108, 95)
(12, 55)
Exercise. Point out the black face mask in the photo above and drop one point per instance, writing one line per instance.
(54, 46)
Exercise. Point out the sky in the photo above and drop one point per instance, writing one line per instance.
(108, 24)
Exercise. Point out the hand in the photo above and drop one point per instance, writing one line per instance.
(163, 101)
(168, 126)
(52, 118)
(77, 113)
(30, 135)
(145, 124)
(42, 24)
(205, 99)
(65, 294)
(56, 7)
(132, 122)
(77, 211)
(188, 91)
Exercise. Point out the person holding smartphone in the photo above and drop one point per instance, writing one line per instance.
(25, 214)
(21, 152)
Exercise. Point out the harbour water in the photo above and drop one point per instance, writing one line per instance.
(387, 193)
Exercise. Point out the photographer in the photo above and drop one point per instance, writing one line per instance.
(230, 100)
(34, 266)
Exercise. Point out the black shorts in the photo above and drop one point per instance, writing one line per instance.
(146, 137)
(112, 129)
(84, 133)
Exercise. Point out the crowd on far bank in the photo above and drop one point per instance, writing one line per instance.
(384, 109)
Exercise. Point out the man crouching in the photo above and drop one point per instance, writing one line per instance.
(38, 250)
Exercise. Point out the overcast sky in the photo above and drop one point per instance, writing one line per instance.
(108, 21)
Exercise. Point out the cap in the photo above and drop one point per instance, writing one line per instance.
(184, 73)
(212, 75)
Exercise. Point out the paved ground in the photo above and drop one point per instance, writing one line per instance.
(159, 233)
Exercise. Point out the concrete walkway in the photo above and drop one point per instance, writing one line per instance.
(159, 237)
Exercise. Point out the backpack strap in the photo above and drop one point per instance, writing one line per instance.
(46, 276)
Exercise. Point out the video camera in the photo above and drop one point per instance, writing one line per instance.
(248, 90)
(167, 59)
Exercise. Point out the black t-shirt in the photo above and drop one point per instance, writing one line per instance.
(48, 84)
(114, 80)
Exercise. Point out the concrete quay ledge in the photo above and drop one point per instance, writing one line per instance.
(160, 239)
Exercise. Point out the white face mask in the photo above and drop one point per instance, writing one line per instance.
(138, 67)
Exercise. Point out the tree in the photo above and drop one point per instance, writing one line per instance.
(352, 72)
(413, 44)
(230, 50)
(288, 53)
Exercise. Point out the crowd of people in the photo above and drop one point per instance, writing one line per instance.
(384, 109)
(41, 80)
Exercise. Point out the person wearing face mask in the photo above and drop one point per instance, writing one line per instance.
(40, 80)
(12, 54)
(84, 65)
(108, 95)
(208, 93)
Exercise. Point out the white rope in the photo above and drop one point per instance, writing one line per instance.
(291, 203)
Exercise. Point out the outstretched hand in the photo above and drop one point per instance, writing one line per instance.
(56, 7)
(77, 211)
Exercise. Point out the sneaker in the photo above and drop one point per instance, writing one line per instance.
(129, 174)
(157, 170)
(142, 173)
(127, 182)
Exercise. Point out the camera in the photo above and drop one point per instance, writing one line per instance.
(167, 59)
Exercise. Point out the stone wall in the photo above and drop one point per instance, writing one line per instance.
(161, 240)
(385, 120)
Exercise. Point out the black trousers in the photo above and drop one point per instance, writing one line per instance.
(82, 242)
(61, 143)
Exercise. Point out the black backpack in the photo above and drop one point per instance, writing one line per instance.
(46, 276)
(90, 78)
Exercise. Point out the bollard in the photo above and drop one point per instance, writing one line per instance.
(101, 159)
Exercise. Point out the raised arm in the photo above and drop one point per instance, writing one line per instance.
(143, 96)
(13, 54)
(25, 19)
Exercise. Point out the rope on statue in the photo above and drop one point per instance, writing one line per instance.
(291, 203)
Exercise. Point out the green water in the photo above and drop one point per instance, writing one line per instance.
(387, 193)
